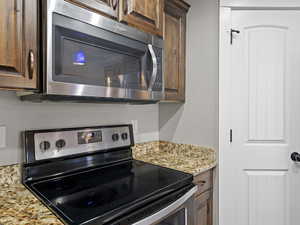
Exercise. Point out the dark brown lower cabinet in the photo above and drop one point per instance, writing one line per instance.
(204, 198)
(203, 208)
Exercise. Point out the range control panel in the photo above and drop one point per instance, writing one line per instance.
(59, 143)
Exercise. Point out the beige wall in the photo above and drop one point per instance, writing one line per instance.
(196, 121)
(18, 116)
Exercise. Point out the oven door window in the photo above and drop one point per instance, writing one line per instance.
(178, 218)
(83, 59)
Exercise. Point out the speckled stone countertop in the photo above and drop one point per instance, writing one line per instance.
(18, 206)
(187, 158)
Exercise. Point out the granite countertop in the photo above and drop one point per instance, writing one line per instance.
(18, 206)
(187, 158)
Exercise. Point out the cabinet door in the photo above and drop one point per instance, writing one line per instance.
(18, 44)
(104, 7)
(145, 15)
(203, 209)
(175, 47)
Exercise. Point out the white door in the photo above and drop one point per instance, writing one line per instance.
(259, 183)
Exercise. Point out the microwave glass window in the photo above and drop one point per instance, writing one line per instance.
(86, 60)
(179, 218)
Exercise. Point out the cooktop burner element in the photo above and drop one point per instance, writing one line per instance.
(100, 183)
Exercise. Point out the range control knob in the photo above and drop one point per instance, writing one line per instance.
(115, 137)
(60, 143)
(124, 136)
(45, 145)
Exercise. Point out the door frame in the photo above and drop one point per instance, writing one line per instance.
(226, 7)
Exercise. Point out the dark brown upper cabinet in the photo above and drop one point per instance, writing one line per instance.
(105, 7)
(175, 49)
(18, 44)
(146, 15)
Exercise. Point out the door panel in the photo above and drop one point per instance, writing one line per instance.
(175, 50)
(267, 207)
(11, 36)
(203, 208)
(264, 118)
(265, 57)
(146, 15)
(146, 9)
(18, 44)
(172, 42)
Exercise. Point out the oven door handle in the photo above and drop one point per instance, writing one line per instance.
(168, 210)
(155, 67)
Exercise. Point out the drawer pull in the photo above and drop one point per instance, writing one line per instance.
(31, 63)
(202, 182)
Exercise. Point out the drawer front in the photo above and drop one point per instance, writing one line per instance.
(204, 181)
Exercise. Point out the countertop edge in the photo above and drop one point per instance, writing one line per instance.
(205, 169)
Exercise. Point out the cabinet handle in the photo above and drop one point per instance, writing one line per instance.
(202, 182)
(114, 4)
(31, 62)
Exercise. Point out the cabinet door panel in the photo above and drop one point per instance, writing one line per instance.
(175, 47)
(172, 54)
(18, 44)
(203, 209)
(104, 7)
(146, 15)
(146, 9)
(10, 36)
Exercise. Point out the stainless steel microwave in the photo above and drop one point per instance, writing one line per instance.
(90, 56)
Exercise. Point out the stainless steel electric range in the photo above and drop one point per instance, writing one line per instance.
(88, 176)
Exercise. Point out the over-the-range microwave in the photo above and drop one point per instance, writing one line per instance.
(90, 57)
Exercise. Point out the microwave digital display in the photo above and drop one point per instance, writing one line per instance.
(79, 58)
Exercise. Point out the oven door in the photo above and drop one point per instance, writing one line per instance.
(92, 56)
(180, 212)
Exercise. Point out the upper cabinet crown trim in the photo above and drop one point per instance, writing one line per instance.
(261, 3)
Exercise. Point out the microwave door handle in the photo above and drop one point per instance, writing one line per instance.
(155, 67)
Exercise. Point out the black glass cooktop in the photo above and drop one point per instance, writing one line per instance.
(108, 192)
